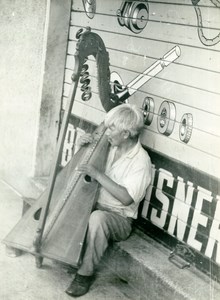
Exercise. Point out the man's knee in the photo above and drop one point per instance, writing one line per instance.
(98, 223)
(97, 218)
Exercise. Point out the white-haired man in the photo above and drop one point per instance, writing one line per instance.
(123, 186)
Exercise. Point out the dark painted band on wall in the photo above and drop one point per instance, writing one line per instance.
(182, 202)
(185, 204)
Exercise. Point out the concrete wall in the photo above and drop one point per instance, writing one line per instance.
(33, 46)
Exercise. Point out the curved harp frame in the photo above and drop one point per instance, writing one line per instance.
(89, 43)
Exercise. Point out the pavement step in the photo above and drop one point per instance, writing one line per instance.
(137, 268)
(144, 264)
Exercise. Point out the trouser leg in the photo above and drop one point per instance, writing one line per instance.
(103, 226)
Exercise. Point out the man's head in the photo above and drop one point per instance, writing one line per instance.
(126, 119)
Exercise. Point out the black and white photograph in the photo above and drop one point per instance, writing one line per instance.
(110, 149)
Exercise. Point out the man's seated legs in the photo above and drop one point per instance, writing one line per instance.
(103, 226)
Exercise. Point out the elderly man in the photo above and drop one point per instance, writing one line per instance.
(122, 187)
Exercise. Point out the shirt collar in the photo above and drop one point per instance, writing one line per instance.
(134, 150)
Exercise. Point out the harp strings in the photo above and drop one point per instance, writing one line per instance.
(73, 181)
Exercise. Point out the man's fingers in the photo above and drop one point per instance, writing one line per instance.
(82, 168)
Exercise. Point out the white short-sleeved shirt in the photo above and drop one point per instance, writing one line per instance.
(132, 171)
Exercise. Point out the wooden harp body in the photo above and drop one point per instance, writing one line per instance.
(71, 204)
(55, 226)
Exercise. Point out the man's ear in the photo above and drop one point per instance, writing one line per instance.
(126, 134)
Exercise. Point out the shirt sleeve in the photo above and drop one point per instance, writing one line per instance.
(137, 180)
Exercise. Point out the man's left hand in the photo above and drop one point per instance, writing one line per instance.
(89, 170)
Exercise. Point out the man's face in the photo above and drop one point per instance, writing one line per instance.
(115, 137)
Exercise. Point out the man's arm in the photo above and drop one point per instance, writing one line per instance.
(118, 191)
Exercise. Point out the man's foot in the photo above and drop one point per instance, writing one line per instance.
(71, 270)
(79, 286)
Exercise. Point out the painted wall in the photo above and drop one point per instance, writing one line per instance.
(181, 102)
(33, 47)
(190, 82)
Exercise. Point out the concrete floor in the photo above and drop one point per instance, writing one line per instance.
(21, 280)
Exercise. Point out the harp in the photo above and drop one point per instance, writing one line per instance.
(55, 226)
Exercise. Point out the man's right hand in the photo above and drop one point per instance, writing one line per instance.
(85, 139)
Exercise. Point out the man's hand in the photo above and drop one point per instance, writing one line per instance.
(118, 191)
(85, 139)
(89, 170)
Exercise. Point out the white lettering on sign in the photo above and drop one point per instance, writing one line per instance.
(214, 237)
(79, 133)
(181, 208)
(190, 213)
(161, 219)
(198, 218)
(68, 145)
